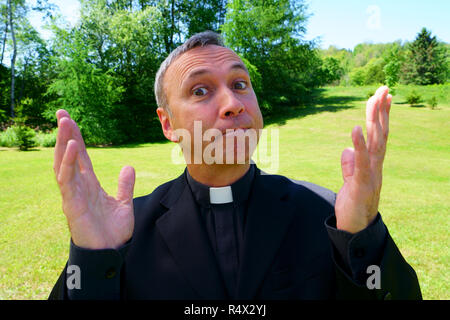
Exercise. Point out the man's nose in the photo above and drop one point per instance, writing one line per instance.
(231, 106)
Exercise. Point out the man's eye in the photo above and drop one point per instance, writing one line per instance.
(200, 92)
(240, 85)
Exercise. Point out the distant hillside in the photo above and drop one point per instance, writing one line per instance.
(366, 63)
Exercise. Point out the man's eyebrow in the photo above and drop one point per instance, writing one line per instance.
(200, 72)
(196, 73)
(239, 65)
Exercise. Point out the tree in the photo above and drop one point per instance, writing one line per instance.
(268, 34)
(199, 16)
(81, 88)
(11, 11)
(358, 76)
(374, 71)
(22, 43)
(392, 68)
(331, 70)
(4, 23)
(33, 73)
(427, 61)
(106, 69)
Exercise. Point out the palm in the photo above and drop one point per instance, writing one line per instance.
(96, 220)
(107, 222)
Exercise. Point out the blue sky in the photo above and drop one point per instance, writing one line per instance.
(345, 23)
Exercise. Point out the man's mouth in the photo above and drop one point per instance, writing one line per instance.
(234, 131)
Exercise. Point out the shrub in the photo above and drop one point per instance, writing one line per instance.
(432, 102)
(8, 138)
(357, 76)
(46, 139)
(369, 94)
(413, 98)
(25, 137)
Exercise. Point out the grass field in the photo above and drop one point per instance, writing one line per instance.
(415, 199)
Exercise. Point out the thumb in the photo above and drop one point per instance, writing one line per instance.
(126, 184)
(348, 163)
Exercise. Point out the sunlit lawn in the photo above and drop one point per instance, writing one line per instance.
(415, 202)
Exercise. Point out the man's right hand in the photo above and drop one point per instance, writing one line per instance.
(96, 220)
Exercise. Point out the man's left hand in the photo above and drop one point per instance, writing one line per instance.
(362, 166)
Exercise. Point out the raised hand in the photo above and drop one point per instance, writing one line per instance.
(357, 201)
(96, 220)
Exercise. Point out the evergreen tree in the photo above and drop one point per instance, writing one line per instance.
(426, 63)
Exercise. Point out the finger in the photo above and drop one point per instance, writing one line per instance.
(61, 113)
(361, 155)
(373, 125)
(63, 136)
(384, 117)
(67, 170)
(383, 105)
(389, 99)
(383, 90)
(347, 163)
(85, 161)
(126, 184)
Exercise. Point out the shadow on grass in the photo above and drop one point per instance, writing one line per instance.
(419, 105)
(18, 150)
(403, 102)
(318, 103)
(128, 145)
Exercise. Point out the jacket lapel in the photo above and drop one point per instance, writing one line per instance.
(268, 219)
(185, 235)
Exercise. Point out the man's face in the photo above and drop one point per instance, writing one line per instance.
(210, 84)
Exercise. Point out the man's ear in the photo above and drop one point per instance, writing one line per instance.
(166, 125)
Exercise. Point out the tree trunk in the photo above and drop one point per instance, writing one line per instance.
(4, 39)
(22, 85)
(172, 31)
(13, 59)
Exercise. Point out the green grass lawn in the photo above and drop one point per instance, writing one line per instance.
(415, 199)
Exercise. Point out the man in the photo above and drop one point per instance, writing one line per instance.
(224, 229)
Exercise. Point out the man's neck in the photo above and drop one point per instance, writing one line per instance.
(217, 175)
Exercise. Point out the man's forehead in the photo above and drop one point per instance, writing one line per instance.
(208, 56)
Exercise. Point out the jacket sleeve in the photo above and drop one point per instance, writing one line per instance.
(355, 252)
(91, 274)
(390, 278)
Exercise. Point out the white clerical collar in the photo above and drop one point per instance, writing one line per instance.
(220, 195)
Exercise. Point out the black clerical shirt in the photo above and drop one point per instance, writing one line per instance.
(237, 210)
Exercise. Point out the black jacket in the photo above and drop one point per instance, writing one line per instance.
(287, 251)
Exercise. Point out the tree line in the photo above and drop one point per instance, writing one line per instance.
(102, 69)
(424, 61)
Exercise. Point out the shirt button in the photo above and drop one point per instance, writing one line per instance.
(359, 252)
(110, 273)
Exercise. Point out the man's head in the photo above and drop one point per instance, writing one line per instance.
(198, 40)
(202, 81)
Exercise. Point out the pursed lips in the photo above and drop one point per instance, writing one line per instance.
(234, 131)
